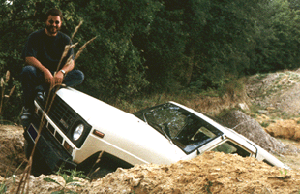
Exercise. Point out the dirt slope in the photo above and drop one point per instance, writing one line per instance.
(276, 93)
(11, 150)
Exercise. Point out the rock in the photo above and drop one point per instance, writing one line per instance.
(262, 112)
(243, 106)
(271, 109)
(250, 128)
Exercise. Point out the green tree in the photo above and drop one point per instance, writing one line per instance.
(221, 40)
(113, 63)
(276, 38)
(294, 4)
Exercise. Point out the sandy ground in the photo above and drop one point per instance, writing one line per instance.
(211, 172)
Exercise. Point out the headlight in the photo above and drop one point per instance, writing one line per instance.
(78, 132)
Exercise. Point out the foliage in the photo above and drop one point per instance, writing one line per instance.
(277, 38)
(69, 180)
(3, 188)
(6, 94)
(294, 4)
(208, 186)
(152, 46)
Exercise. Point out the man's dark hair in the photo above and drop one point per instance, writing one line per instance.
(54, 12)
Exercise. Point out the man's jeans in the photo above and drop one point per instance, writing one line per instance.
(33, 81)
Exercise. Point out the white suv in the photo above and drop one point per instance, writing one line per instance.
(78, 127)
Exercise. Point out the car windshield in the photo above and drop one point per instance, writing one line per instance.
(183, 128)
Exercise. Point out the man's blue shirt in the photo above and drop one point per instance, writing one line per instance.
(47, 49)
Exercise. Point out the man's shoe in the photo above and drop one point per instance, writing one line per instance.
(26, 114)
(26, 117)
(41, 96)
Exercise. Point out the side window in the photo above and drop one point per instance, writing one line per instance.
(229, 147)
(200, 136)
(204, 132)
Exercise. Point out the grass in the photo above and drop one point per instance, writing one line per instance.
(265, 124)
(3, 187)
(69, 177)
(91, 173)
(197, 101)
(208, 186)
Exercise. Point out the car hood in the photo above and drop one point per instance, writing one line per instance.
(86, 105)
(122, 130)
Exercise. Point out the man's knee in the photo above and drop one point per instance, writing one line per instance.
(28, 70)
(74, 77)
(80, 75)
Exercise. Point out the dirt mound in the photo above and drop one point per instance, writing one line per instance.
(250, 128)
(212, 172)
(11, 150)
(287, 129)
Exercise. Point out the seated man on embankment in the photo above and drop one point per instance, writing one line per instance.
(44, 68)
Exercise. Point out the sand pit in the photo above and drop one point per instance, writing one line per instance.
(212, 172)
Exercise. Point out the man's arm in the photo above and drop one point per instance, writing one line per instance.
(69, 67)
(37, 64)
(59, 76)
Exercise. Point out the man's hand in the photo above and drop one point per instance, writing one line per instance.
(58, 78)
(48, 76)
(37, 64)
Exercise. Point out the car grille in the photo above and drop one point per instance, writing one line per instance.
(65, 118)
(62, 115)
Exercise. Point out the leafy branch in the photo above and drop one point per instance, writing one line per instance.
(3, 85)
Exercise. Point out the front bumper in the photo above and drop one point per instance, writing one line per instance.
(54, 154)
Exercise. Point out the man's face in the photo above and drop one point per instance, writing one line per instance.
(53, 24)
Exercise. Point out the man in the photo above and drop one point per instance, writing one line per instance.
(42, 54)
